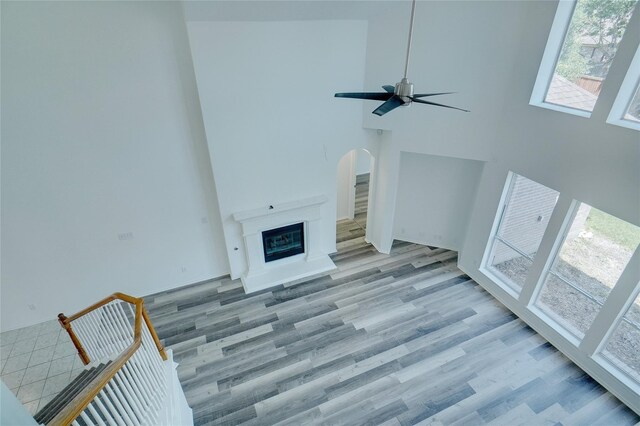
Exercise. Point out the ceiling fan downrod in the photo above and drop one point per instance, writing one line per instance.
(404, 89)
(406, 62)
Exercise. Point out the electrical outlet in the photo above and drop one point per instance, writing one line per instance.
(183, 269)
(125, 236)
(31, 307)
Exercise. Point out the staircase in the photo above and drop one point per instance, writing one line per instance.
(129, 378)
(67, 394)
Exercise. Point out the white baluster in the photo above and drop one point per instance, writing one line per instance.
(156, 364)
(105, 338)
(123, 330)
(156, 389)
(150, 367)
(123, 324)
(147, 343)
(136, 384)
(151, 346)
(125, 386)
(86, 418)
(95, 414)
(140, 380)
(92, 345)
(125, 333)
(144, 370)
(152, 351)
(109, 332)
(109, 325)
(124, 406)
(112, 414)
(99, 337)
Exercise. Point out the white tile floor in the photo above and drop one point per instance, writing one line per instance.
(37, 362)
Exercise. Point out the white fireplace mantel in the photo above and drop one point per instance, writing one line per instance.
(260, 274)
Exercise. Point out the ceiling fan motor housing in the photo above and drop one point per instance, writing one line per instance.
(404, 89)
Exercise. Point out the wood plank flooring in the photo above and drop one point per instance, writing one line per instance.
(362, 200)
(397, 339)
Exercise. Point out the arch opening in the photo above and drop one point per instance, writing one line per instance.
(354, 187)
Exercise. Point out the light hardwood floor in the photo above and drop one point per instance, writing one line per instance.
(362, 199)
(404, 338)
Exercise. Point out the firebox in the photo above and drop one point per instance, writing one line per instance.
(283, 242)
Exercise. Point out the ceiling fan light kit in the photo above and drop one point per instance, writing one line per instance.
(402, 94)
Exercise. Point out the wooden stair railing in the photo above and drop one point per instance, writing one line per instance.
(140, 375)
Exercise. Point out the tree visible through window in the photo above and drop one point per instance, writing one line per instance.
(590, 45)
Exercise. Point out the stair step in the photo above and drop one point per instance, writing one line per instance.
(49, 411)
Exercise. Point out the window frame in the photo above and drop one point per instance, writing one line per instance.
(554, 319)
(550, 317)
(587, 352)
(630, 85)
(612, 365)
(486, 267)
(557, 35)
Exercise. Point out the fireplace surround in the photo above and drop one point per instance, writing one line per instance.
(298, 255)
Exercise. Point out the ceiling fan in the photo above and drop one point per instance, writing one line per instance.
(402, 94)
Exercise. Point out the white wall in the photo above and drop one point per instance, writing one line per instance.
(435, 196)
(363, 162)
(13, 412)
(464, 47)
(382, 193)
(274, 129)
(101, 135)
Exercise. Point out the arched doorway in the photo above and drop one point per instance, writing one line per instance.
(354, 187)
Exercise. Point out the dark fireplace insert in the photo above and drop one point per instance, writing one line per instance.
(283, 242)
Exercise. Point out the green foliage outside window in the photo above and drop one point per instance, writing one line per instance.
(598, 23)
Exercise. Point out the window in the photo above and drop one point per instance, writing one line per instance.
(595, 251)
(582, 45)
(623, 347)
(633, 112)
(625, 111)
(525, 215)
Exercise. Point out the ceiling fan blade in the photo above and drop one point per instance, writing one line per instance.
(423, 95)
(376, 96)
(393, 103)
(420, 101)
(389, 88)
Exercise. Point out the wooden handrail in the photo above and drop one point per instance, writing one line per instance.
(152, 331)
(84, 398)
(114, 296)
(66, 321)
